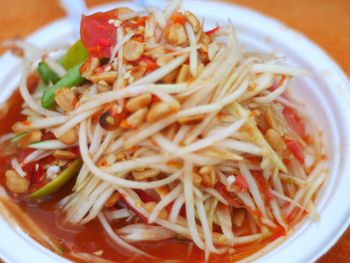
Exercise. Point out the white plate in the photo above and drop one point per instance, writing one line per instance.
(326, 96)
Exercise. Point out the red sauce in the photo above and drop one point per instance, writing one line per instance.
(91, 237)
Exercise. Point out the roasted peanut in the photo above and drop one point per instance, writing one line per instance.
(149, 206)
(64, 155)
(70, 137)
(138, 102)
(16, 183)
(135, 119)
(108, 77)
(192, 19)
(158, 111)
(133, 50)
(183, 74)
(66, 99)
(176, 34)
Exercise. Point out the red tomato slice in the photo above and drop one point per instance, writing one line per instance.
(294, 121)
(97, 35)
(296, 150)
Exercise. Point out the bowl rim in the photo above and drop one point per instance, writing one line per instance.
(8, 249)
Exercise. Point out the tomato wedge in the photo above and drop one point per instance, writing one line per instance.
(97, 34)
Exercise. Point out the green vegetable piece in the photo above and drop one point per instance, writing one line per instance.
(59, 181)
(71, 79)
(18, 136)
(47, 74)
(75, 55)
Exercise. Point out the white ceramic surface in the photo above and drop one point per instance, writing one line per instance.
(326, 96)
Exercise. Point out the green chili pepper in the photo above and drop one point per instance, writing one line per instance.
(59, 181)
(47, 74)
(75, 55)
(71, 79)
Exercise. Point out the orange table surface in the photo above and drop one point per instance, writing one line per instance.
(326, 22)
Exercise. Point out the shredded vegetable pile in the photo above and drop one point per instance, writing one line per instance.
(169, 131)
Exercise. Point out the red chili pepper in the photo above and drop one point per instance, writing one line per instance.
(145, 197)
(296, 150)
(23, 154)
(213, 31)
(48, 136)
(34, 172)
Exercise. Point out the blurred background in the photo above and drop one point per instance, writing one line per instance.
(326, 22)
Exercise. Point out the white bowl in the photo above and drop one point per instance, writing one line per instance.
(326, 96)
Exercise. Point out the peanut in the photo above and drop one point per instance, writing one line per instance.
(176, 34)
(16, 183)
(70, 137)
(64, 155)
(108, 77)
(66, 99)
(138, 102)
(133, 50)
(135, 119)
(158, 111)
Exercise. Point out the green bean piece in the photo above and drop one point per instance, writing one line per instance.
(75, 55)
(71, 79)
(59, 181)
(47, 74)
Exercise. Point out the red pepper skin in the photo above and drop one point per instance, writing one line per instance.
(213, 31)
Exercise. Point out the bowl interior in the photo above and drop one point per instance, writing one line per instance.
(324, 96)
